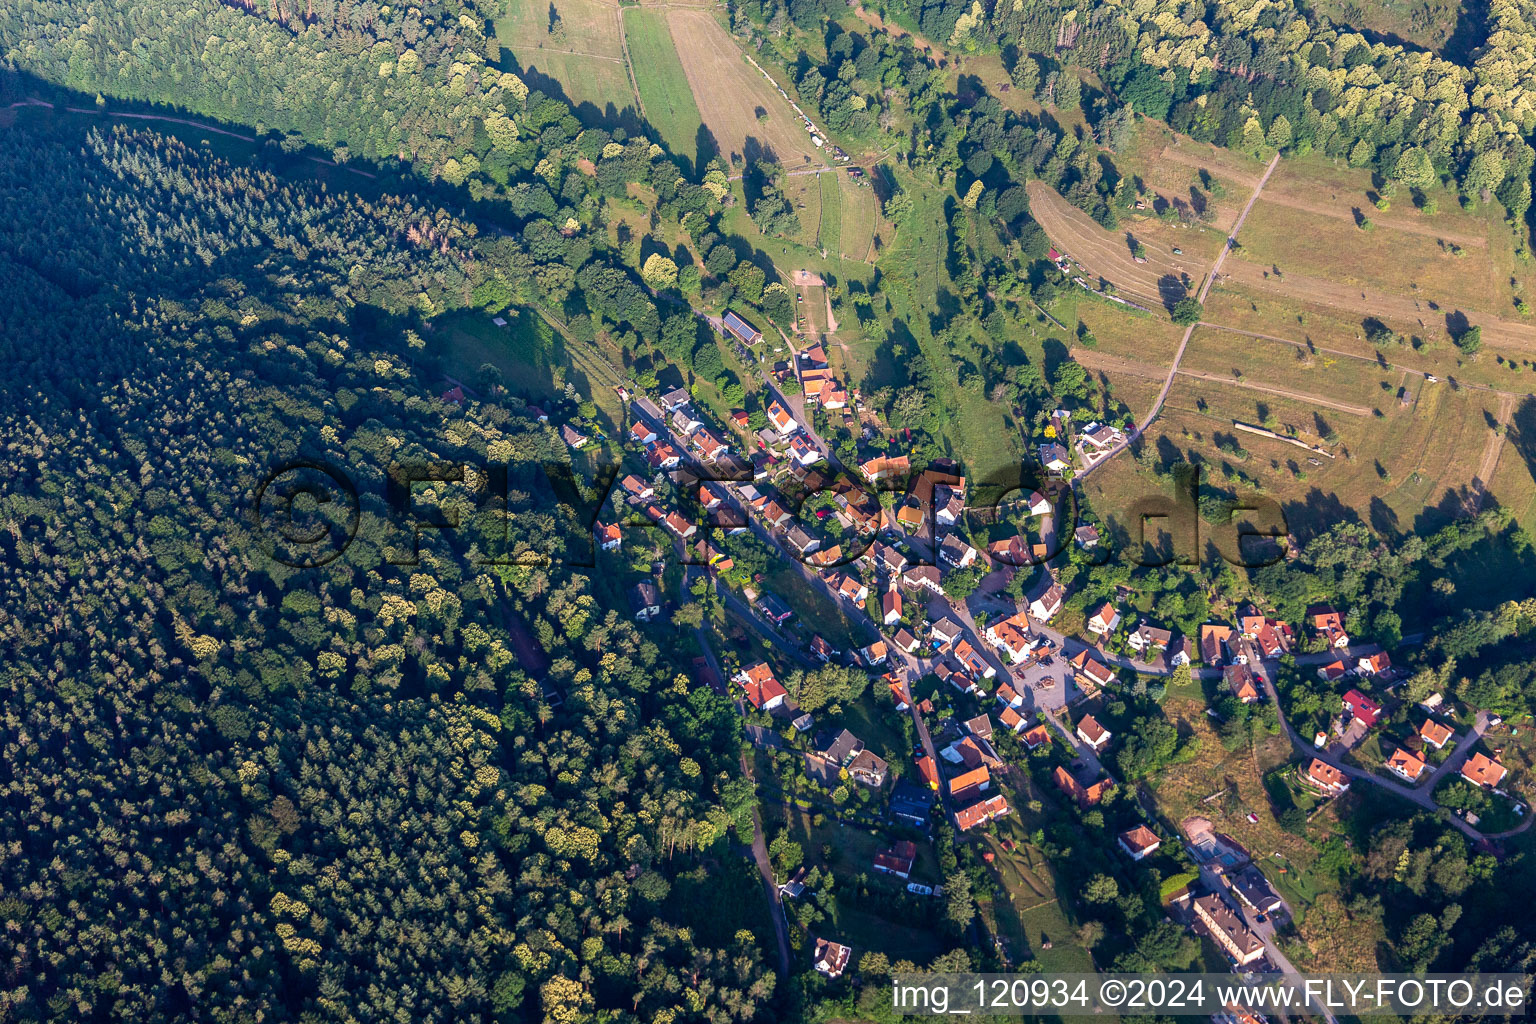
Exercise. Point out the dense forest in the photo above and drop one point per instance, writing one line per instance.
(244, 791)
(1244, 74)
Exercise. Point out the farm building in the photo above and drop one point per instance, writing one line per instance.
(743, 331)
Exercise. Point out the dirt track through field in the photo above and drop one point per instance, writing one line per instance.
(1106, 254)
(1117, 364)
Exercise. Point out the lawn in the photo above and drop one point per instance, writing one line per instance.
(830, 232)
(816, 612)
(664, 93)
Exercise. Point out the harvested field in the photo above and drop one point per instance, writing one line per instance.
(1108, 254)
(1147, 339)
(730, 93)
(1427, 314)
(1387, 258)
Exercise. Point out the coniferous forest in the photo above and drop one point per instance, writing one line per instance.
(241, 792)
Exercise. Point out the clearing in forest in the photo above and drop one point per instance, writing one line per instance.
(577, 45)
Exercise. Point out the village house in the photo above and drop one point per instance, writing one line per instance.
(637, 488)
(774, 514)
(950, 511)
(1086, 536)
(572, 437)
(1240, 679)
(685, 421)
(1362, 707)
(889, 558)
(968, 785)
(945, 632)
(1373, 664)
(803, 451)
(928, 771)
(836, 746)
(1254, 889)
(1036, 736)
(850, 588)
(800, 541)
(1434, 734)
(980, 726)
(868, 768)
(679, 526)
(957, 552)
(875, 654)
(1010, 635)
(663, 456)
(1092, 733)
(823, 650)
(1011, 720)
(830, 958)
(1055, 458)
(1139, 842)
(1329, 625)
(1216, 639)
(1406, 765)
(1044, 607)
(824, 558)
(971, 658)
(1332, 671)
(926, 577)
(1099, 437)
(1325, 777)
(1227, 930)
(909, 518)
(645, 600)
(981, 812)
(898, 860)
(1272, 639)
(947, 673)
(1180, 653)
(609, 536)
(1148, 640)
(709, 447)
(1105, 620)
(884, 467)
(780, 419)
(675, 399)
(1039, 504)
(764, 692)
(1085, 796)
(904, 641)
(1090, 671)
(1482, 770)
(774, 608)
